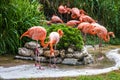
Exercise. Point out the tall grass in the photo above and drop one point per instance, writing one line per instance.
(16, 16)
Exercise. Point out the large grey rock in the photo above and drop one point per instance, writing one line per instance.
(47, 53)
(31, 45)
(70, 61)
(69, 55)
(84, 50)
(71, 50)
(25, 52)
(62, 53)
(78, 55)
(88, 60)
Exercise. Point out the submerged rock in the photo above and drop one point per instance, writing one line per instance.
(88, 60)
(41, 59)
(70, 61)
(57, 60)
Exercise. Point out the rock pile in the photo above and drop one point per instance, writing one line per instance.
(69, 56)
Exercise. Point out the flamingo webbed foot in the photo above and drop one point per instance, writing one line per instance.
(53, 66)
(101, 58)
(38, 65)
(41, 68)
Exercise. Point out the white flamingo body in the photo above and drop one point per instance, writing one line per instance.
(54, 36)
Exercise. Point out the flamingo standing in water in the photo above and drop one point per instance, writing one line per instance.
(72, 23)
(54, 38)
(55, 19)
(102, 33)
(36, 33)
(85, 18)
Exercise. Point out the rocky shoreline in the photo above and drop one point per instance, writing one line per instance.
(68, 57)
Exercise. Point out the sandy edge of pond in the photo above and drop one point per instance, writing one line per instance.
(29, 71)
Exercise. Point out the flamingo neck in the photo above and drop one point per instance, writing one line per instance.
(108, 36)
(43, 43)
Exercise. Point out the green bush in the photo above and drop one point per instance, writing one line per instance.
(72, 36)
(16, 16)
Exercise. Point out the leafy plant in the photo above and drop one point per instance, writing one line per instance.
(16, 16)
(72, 36)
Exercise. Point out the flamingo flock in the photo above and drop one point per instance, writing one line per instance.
(85, 23)
(80, 20)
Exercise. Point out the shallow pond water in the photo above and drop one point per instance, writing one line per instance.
(11, 68)
(8, 60)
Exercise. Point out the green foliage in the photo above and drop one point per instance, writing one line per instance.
(16, 16)
(71, 36)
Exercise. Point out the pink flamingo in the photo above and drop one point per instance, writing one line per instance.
(86, 28)
(63, 9)
(54, 38)
(36, 33)
(55, 19)
(102, 33)
(72, 23)
(75, 13)
(85, 18)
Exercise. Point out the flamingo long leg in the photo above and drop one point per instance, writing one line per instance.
(37, 62)
(55, 58)
(100, 50)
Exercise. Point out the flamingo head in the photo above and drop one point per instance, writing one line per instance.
(112, 34)
(82, 11)
(61, 33)
(62, 9)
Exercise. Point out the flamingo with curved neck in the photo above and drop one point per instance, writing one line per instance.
(72, 23)
(85, 18)
(36, 33)
(55, 19)
(107, 38)
(54, 38)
